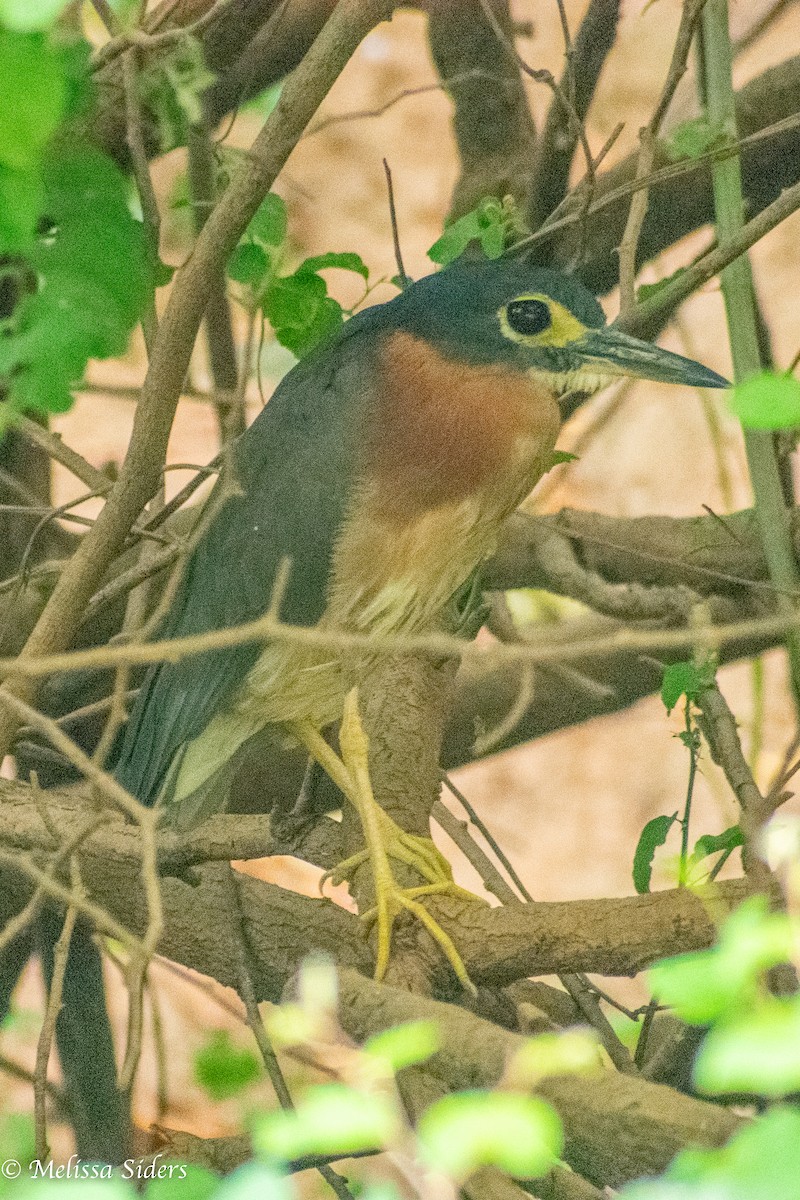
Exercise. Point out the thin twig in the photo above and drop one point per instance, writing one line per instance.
(153, 41)
(555, 223)
(134, 134)
(577, 985)
(647, 136)
(404, 279)
(218, 322)
(53, 444)
(268, 628)
(273, 1067)
(52, 1009)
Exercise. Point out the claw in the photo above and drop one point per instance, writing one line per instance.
(385, 840)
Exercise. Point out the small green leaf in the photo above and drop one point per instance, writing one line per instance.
(332, 1119)
(519, 1134)
(249, 265)
(646, 291)
(301, 312)
(172, 85)
(562, 456)
(652, 836)
(692, 138)
(758, 1051)
(485, 224)
(93, 274)
(711, 843)
(760, 1162)
(767, 401)
(709, 984)
(347, 260)
(695, 985)
(254, 1181)
(685, 679)
(21, 194)
(176, 1181)
(265, 101)
(268, 226)
(17, 1138)
(162, 273)
(571, 1053)
(223, 1068)
(33, 96)
(404, 1045)
(26, 16)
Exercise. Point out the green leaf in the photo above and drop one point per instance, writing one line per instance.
(758, 1051)
(519, 1134)
(346, 260)
(93, 280)
(767, 401)
(709, 984)
(21, 194)
(172, 85)
(485, 224)
(254, 1181)
(652, 836)
(268, 226)
(711, 843)
(332, 1119)
(176, 1181)
(301, 312)
(562, 456)
(760, 1162)
(692, 138)
(33, 96)
(223, 1068)
(404, 1045)
(572, 1053)
(17, 1138)
(249, 265)
(265, 101)
(26, 16)
(685, 679)
(162, 273)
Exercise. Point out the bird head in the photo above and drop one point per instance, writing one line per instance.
(537, 321)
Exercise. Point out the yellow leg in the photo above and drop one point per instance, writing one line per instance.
(384, 840)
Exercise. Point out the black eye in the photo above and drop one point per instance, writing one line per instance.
(528, 316)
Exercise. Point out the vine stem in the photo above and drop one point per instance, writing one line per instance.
(739, 296)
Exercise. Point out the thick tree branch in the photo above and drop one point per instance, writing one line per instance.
(711, 555)
(556, 150)
(499, 946)
(492, 122)
(617, 1126)
(676, 208)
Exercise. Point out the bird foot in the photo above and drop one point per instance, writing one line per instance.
(391, 899)
(386, 840)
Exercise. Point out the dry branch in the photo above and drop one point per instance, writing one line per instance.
(615, 937)
(617, 1126)
(494, 130)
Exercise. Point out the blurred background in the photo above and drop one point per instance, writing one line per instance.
(569, 808)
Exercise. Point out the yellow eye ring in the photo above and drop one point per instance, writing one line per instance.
(561, 329)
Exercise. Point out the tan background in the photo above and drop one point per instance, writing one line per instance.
(568, 810)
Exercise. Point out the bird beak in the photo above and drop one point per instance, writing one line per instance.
(615, 353)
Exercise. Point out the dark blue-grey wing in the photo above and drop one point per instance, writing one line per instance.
(294, 468)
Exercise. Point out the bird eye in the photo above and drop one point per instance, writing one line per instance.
(528, 316)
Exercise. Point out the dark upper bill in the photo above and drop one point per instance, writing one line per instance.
(618, 354)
